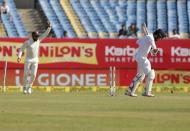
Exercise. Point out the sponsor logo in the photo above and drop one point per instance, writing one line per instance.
(67, 79)
(68, 52)
(172, 78)
(180, 55)
(179, 51)
(126, 54)
(54, 52)
(119, 54)
(118, 51)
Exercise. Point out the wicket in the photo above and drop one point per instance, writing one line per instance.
(5, 75)
(112, 80)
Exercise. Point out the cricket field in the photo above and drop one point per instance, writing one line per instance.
(94, 111)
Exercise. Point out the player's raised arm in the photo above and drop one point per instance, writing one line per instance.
(144, 29)
(154, 49)
(45, 34)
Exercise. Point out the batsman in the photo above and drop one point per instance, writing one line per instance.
(31, 61)
(146, 45)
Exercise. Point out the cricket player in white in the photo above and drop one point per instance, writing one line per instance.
(146, 45)
(31, 61)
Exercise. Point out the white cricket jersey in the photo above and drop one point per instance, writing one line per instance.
(145, 45)
(32, 48)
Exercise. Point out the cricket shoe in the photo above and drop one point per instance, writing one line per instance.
(112, 94)
(130, 94)
(148, 94)
(29, 91)
(24, 90)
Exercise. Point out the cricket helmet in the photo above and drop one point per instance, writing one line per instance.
(35, 35)
(159, 34)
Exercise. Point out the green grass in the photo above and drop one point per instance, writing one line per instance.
(90, 111)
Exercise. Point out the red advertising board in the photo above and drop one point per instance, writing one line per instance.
(86, 62)
(92, 77)
(59, 77)
(98, 53)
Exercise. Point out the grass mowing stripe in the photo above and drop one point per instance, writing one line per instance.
(93, 111)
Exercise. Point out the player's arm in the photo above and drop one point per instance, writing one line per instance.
(154, 50)
(21, 50)
(45, 34)
(144, 29)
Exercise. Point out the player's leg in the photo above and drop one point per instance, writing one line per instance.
(34, 68)
(25, 77)
(136, 80)
(148, 84)
(134, 84)
(150, 75)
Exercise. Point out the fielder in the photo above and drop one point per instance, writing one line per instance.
(31, 62)
(146, 45)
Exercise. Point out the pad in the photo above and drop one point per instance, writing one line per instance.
(149, 81)
(136, 81)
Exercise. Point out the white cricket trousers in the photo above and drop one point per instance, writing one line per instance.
(30, 69)
(143, 65)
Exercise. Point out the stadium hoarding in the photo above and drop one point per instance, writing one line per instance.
(93, 77)
(57, 77)
(98, 53)
(86, 62)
